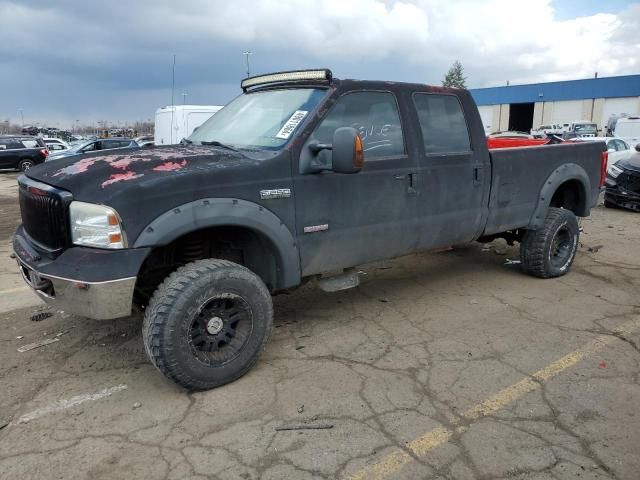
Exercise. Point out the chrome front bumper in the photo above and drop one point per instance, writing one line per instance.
(98, 300)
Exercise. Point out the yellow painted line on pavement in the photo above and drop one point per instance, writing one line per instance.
(14, 290)
(419, 447)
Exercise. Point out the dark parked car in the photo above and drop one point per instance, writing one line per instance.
(302, 177)
(94, 146)
(623, 183)
(21, 152)
(30, 130)
(581, 129)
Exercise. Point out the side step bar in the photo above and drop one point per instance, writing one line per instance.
(340, 281)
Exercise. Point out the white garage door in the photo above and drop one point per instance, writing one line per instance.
(567, 112)
(614, 106)
(486, 114)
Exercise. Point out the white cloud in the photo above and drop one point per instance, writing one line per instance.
(520, 38)
(103, 50)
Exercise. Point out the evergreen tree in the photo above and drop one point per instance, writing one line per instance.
(455, 76)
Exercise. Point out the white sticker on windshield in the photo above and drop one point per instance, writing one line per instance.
(288, 128)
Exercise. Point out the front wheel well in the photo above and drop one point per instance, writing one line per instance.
(241, 245)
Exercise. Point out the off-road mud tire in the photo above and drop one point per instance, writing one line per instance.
(168, 318)
(538, 246)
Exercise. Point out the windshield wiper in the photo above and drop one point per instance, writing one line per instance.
(215, 143)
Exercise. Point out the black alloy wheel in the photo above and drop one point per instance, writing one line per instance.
(220, 329)
(560, 251)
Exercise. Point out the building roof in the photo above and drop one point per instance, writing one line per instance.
(606, 87)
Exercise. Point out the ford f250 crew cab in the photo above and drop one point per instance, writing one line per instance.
(301, 177)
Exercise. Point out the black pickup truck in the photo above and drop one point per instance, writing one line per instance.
(301, 177)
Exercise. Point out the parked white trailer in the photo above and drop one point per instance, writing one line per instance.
(173, 123)
(628, 129)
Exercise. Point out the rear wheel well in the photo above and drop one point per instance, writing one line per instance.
(241, 245)
(570, 195)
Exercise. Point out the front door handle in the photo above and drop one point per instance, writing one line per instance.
(412, 182)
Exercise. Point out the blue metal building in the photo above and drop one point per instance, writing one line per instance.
(520, 107)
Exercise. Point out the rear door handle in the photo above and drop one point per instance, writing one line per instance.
(413, 183)
(477, 175)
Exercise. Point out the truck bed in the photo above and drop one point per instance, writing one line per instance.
(518, 176)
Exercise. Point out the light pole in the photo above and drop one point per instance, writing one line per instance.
(21, 116)
(246, 56)
(184, 98)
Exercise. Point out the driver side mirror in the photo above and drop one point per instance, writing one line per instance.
(347, 151)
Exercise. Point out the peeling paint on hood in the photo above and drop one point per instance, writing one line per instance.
(170, 166)
(121, 177)
(123, 161)
(131, 167)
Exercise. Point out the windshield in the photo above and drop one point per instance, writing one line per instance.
(265, 119)
(628, 129)
(582, 127)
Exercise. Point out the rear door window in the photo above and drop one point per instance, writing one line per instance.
(444, 128)
(29, 143)
(109, 144)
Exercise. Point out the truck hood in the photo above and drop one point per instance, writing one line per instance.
(105, 175)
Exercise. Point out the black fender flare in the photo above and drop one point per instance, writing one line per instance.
(562, 174)
(219, 212)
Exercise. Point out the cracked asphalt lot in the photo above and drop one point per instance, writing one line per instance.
(450, 365)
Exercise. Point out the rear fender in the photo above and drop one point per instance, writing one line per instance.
(562, 174)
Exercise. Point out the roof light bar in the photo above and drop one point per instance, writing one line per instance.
(322, 75)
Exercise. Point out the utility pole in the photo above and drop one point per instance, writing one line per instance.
(21, 116)
(246, 56)
(184, 98)
(173, 85)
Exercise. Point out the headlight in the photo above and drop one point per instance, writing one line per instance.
(95, 226)
(614, 171)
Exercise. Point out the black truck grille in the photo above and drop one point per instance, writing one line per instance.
(629, 181)
(44, 213)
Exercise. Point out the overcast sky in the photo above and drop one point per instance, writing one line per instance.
(89, 60)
